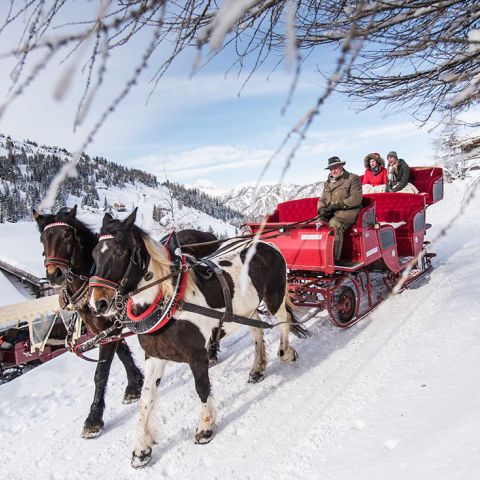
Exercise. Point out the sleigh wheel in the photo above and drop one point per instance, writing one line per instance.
(344, 306)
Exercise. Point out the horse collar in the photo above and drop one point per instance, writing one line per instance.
(160, 313)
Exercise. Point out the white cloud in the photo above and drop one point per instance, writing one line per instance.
(200, 161)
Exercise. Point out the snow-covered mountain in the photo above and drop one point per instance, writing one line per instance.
(255, 201)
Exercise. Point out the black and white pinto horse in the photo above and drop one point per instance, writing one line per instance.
(185, 338)
(68, 245)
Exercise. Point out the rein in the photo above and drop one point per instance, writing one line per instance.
(249, 236)
(241, 239)
(176, 302)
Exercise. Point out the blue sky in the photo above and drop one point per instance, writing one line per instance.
(199, 128)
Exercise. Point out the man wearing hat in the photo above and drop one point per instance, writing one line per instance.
(341, 200)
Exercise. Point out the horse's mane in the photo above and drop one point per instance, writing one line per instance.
(157, 255)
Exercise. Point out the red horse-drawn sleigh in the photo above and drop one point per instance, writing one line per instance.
(387, 242)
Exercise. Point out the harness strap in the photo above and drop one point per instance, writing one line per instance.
(209, 312)
(56, 261)
(102, 338)
(227, 315)
(174, 273)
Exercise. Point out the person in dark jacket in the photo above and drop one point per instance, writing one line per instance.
(398, 175)
(375, 177)
(341, 201)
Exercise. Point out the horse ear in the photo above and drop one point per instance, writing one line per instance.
(106, 219)
(40, 219)
(73, 212)
(130, 220)
(36, 216)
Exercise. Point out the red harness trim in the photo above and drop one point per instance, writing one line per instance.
(169, 316)
(56, 261)
(102, 282)
(148, 311)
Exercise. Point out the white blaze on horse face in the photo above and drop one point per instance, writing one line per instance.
(104, 247)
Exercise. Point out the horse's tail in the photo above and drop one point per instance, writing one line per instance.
(295, 326)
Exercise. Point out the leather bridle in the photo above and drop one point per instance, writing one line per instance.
(135, 262)
(59, 261)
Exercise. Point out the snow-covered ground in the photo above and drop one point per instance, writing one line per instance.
(395, 397)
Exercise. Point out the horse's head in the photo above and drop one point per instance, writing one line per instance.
(63, 248)
(120, 259)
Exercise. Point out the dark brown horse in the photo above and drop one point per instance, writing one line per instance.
(68, 245)
(127, 259)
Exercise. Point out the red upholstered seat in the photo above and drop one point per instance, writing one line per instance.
(428, 180)
(295, 210)
(403, 207)
(396, 207)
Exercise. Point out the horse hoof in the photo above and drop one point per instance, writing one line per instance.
(203, 437)
(139, 461)
(290, 356)
(255, 377)
(212, 361)
(131, 397)
(92, 431)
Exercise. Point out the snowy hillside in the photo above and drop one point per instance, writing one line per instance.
(27, 169)
(394, 397)
(20, 243)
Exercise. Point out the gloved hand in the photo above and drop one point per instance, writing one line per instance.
(333, 207)
(322, 211)
(388, 188)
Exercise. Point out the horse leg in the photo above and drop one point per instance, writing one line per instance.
(145, 437)
(257, 373)
(286, 352)
(94, 422)
(134, 375)
(206, 426)
(213, 346)
(275, 300)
